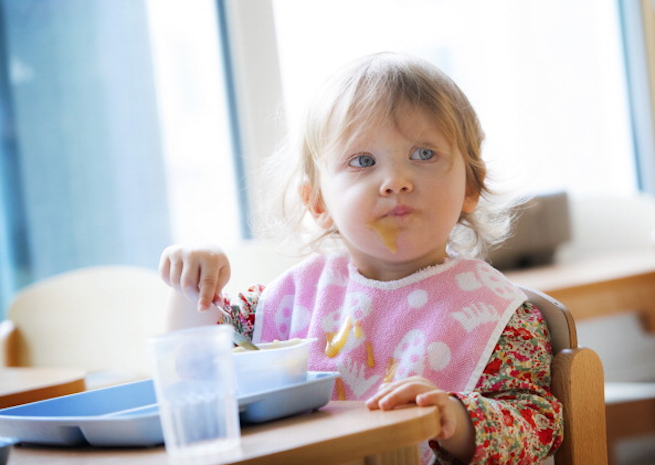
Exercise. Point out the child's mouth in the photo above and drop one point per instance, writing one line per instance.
(399, 210)
(388, 226)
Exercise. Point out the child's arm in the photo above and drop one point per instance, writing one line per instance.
(515, 417)
(198, 274)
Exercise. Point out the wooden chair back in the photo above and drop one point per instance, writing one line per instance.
(577, 381)
(94, 318)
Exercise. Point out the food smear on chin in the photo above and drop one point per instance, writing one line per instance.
(388, 232)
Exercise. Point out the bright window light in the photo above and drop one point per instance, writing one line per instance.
(193, 109)
(546, 77)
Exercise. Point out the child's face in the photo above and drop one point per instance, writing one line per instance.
(395, 195)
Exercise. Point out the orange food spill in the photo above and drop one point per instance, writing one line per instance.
(336, 343)
(388, 232)
(370, 360)
(391, 371)
(341, 390)
(358, 330)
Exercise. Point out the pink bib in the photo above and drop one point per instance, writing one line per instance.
(441, 323)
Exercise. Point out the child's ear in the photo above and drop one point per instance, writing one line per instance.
(474, 185)
(472, 197)
(315, 206)
(471, 200)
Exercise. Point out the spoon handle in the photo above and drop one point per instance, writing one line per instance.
(242, 341)
(238, 338)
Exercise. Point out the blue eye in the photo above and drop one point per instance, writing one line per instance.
(422, 153)
(362, 161)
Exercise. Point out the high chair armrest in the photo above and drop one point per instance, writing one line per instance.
(7, 348)
(578, 382)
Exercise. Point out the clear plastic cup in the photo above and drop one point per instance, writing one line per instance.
(195, 386)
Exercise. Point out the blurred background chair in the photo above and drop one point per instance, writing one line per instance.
(577, 381)
(95, 318)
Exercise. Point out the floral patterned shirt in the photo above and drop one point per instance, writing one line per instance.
(517, 419)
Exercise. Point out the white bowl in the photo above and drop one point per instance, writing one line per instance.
(277, 364)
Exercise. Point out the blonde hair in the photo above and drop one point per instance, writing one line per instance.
(364, 94)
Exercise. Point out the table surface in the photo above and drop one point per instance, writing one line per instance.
(340, 432)
(19, 385)
(584, 271)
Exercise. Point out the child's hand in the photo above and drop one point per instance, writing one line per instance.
(456, 434)
(404, 391)
(198, 272)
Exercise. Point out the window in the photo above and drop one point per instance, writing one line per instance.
(115, 140)
(193, 109)
(638, 26)
(81, 154)
(117, 125)
(546, 77)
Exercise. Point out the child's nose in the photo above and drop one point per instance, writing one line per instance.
(395, 182)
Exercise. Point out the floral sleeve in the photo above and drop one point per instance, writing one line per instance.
(517, 419)
(243, 310)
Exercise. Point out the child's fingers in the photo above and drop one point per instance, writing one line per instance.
(198, 272)
(170, 267)
(165, 269)
(175, 274)
(209, 288)
(213, 277)
(398, 393)
(437, 397)
(190, 281)
(384, 390)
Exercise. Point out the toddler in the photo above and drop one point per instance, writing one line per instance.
(389, 168)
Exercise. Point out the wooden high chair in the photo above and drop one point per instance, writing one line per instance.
(577, 381)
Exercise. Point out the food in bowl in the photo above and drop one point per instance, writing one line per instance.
(277, 364)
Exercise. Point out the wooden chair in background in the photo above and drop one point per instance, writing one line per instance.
(577, 381)
(95, 318)
(624, 287)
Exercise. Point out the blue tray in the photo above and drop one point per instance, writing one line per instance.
(127, 414)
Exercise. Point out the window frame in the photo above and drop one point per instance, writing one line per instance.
(638, 30)
(250, 51)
